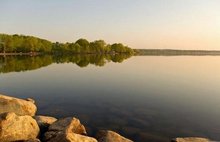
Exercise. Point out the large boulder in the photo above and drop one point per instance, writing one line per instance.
(70, 137)
(191, 139)
(18, 106)
(64, 126)
(17, 128)
(69, 124)
(110, 136)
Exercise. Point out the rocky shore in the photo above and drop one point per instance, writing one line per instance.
(18, 123)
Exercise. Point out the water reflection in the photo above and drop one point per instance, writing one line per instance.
(146, 98)
(25, 63)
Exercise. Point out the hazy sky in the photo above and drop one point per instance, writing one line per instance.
(187, 24)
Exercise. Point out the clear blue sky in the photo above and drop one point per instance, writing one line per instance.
(180, 24)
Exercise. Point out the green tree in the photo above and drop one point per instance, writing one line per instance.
(98, 46)
(82, 42)
(25, 44)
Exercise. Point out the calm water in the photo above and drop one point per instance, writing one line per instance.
(144, 98)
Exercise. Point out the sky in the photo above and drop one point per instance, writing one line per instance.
(163, 24)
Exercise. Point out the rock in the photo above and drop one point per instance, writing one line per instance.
(32, 140)
(18, 106)
(17, 128)
(110, 136)
(70, 137)
(44, 121)
(65, 125)
(191, 139)
(69, 124)
(31, 100)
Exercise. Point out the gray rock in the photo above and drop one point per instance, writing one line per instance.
(64, 126)
(18, 106)
(69, 124)
(70, 137)
(44, 121)
(191, 139)
(110, 136)
(17, 128)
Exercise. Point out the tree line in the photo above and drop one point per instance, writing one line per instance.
(26, 44)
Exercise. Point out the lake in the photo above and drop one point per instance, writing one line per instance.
(144, 98)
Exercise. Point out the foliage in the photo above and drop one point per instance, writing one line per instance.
(21, 43)
(26, 44)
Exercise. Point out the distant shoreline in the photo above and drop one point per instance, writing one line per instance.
(175, 52)
(16, 54)
(138, 52)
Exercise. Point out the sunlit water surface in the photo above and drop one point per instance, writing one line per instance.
(144, 98)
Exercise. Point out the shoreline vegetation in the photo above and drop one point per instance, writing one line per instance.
(135, 52)
(28, 45)
(13, 45)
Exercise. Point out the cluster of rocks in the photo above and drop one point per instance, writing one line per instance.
(18, 123)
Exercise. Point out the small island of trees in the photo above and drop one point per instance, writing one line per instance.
(29, 44)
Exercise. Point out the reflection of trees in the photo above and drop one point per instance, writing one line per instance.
(119, 58)
(24, 63)
(85, 60)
